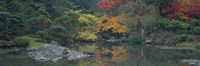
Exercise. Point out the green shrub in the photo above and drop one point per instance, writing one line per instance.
(174, 25)
(56, 33)
(196, 30)
(20, 42)
(44, 34)
(137, 39)
(195, 22)
(105, 35)
(180, 38)
(5, 44)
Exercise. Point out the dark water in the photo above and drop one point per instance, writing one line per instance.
(106, 54)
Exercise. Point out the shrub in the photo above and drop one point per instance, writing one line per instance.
(196, 30)
(5, 44)
(105, 34)
(56, 33)
(137, 39)
(174, 25)
(195, 22)
(88, 36)
(161, 37)
(20, 42)
(42, 33)
(196, 38)
(180, 38)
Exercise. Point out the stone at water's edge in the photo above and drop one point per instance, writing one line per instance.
(191, 62)
(50, 52)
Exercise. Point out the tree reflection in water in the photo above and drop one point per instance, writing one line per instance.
(115, 54)
(134, 55)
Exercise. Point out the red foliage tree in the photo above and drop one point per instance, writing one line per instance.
(109, 4)
(183, 10)
(192, 8)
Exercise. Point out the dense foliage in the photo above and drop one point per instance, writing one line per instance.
(182, 9)
(10, 26)
(66, 21)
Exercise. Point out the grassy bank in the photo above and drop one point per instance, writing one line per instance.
(34, 42)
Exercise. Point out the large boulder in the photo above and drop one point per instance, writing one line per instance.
(50, 52)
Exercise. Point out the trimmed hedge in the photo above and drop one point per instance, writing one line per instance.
(20, 42)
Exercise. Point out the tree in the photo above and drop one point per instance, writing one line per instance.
(116, 24)
(110, 4)
(86, 32)
(10, 26)
(70, 21)
(35, 24)
(184, 10)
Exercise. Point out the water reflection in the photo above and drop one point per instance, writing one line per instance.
(115, 54)
(130, 55)
(106, 54)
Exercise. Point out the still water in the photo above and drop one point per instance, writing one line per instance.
(110, 54)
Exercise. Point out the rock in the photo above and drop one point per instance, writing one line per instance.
(50, 52)
(17, 50)
(176, 48)
(112, 40)
(73, 55)
(120, 39)
(54, 42)
(147, 42)
(191, 62)
(89, 53)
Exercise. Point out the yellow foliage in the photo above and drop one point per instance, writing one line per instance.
(115, 23)
(78, 12)
(87, 22)
(88, 36)
(92, 48)
(87, 18)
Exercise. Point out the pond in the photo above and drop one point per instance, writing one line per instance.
(110, 54)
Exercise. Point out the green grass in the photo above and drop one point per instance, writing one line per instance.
(33, 42)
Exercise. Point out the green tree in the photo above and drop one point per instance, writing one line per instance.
(35, 24)
(70, 22)
(10, 26)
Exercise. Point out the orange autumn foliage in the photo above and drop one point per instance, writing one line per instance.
(114, 23)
